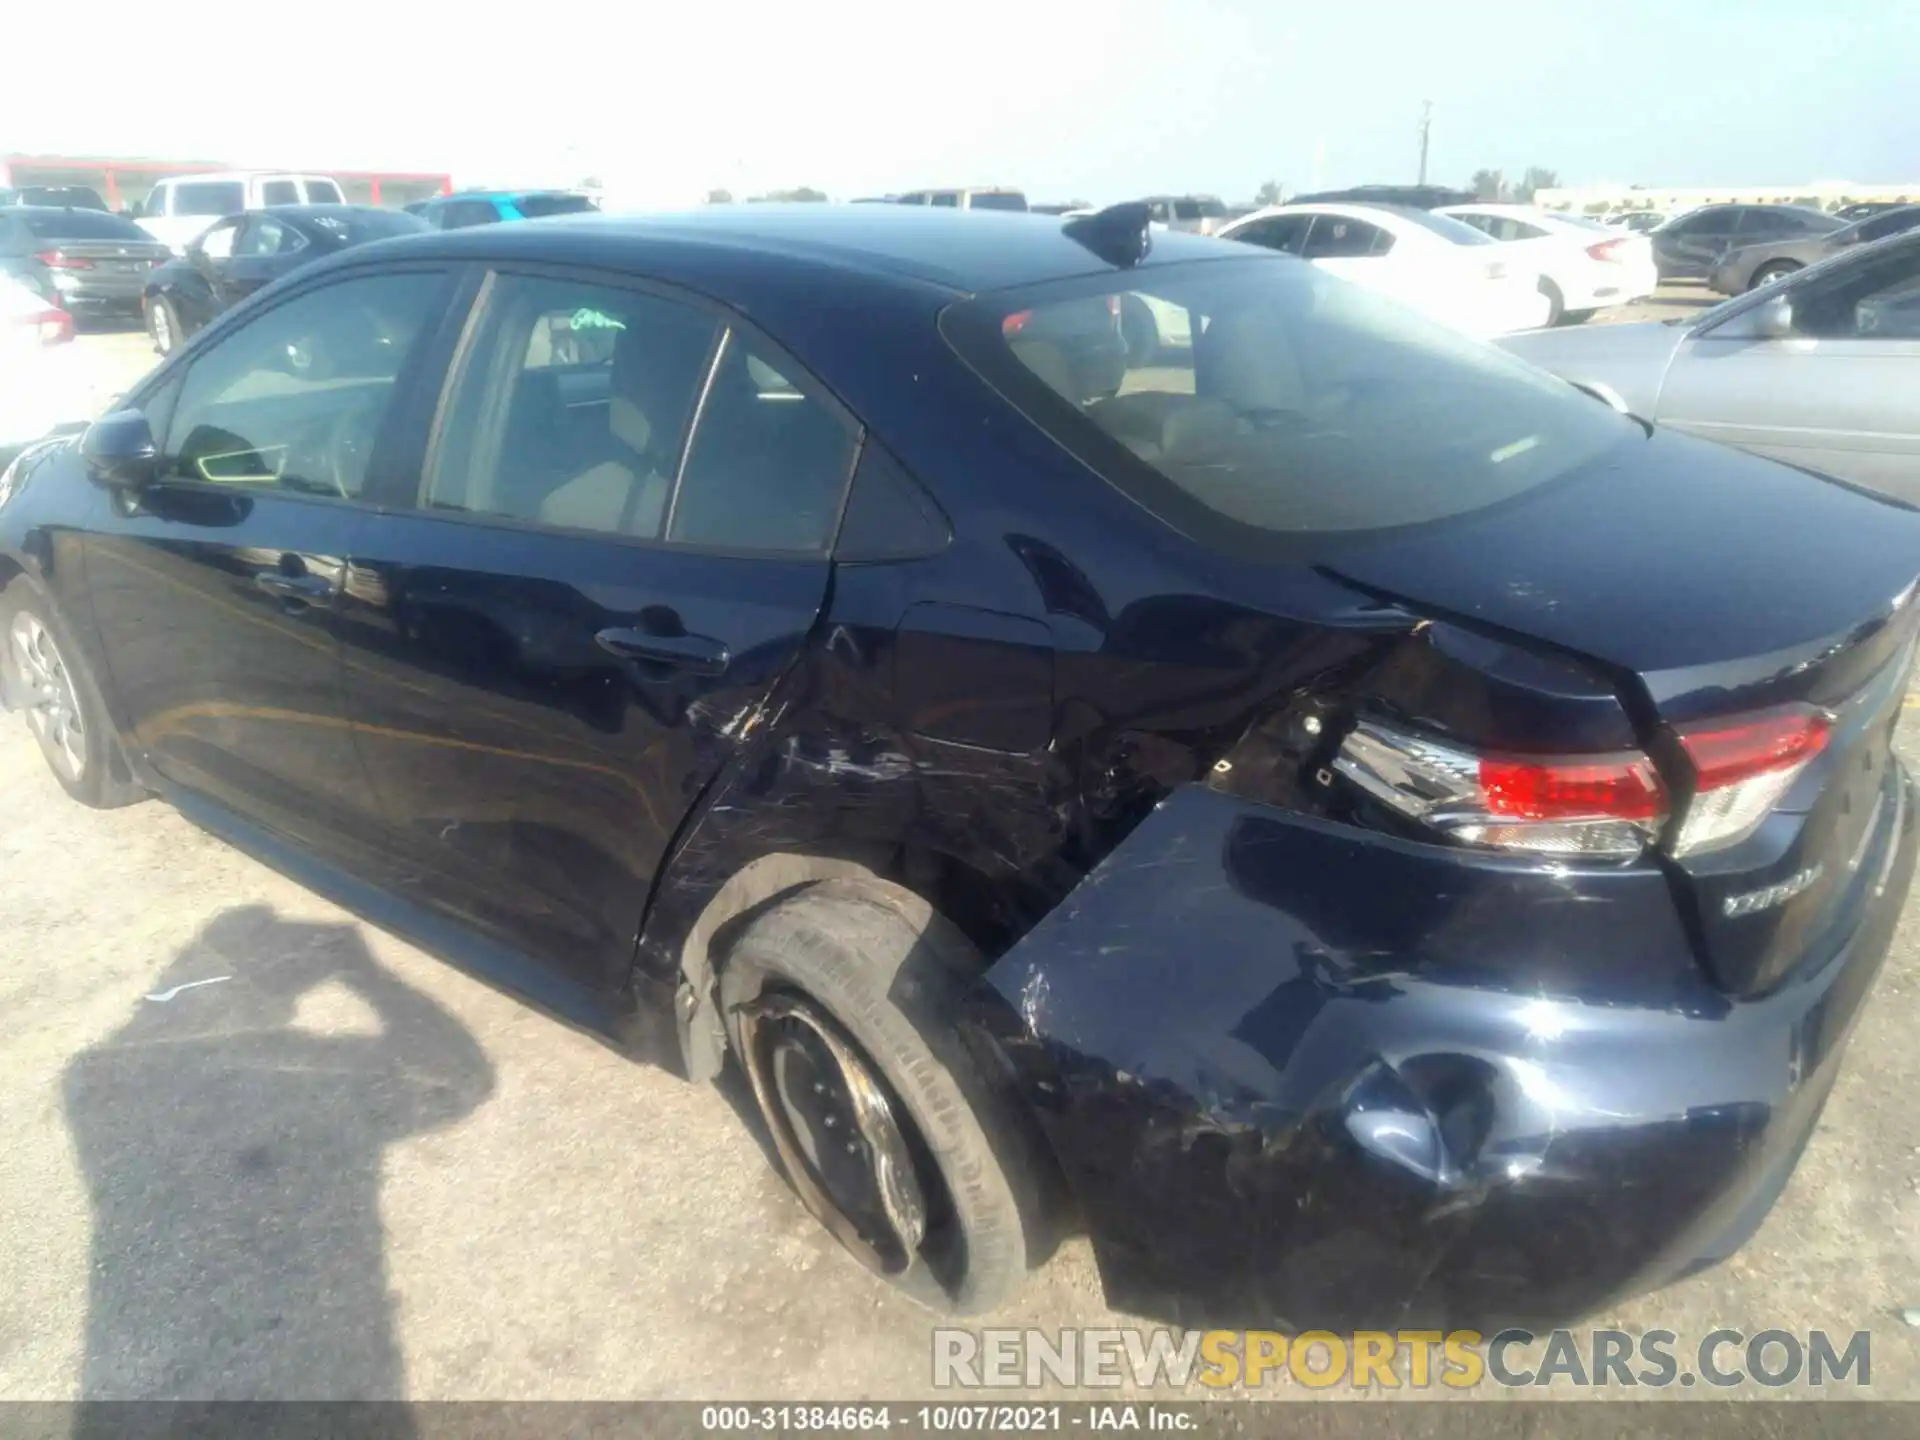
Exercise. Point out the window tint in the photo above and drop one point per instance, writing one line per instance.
(209, 197)
(1482, 223)
(996, 200)
(279, 192)
(535, 206)
(945, 197)
(1276, 232)
(324, 192)
(769, 459)
(1719, 220)
(1335, 237)
(571, 407)
(83, 225)
(216, 242)
(889, 517)
(1891, 222)
(263, 235)
(293, 400)
(1507, 227)
(1875, 299)
(1784, 221)
(1307, 405)
(459, 214)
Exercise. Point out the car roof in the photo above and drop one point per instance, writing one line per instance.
(961, 253)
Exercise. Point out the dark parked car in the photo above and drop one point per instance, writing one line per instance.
(1750, 266)
(1374, 832)
(62, 197)
(471, 207)
(1419, 197)
(93, 263)
(1865, 208)
(1690, 246)
(238, 255)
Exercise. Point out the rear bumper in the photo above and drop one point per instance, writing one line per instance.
(1306, 1077)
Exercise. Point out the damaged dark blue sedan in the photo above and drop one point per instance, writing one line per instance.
(1101, 728)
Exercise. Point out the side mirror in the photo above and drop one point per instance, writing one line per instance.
(119, 452)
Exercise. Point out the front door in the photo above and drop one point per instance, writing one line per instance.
(216, 590)
(555, 638)
(1836, 395)
(265, 250)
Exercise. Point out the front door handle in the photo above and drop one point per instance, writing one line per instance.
(697, 654)
(298, 589)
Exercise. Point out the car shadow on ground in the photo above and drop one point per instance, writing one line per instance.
(231, 1135)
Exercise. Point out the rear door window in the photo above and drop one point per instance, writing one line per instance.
(535, 207)
(1276, 232)
(1307, 412)
(1338, 237)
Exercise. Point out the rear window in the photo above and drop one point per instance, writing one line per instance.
(210, 197)
(80, 196)
(83, 225)
(1458, 231)
(1278, 401)
(536, 206)
(996, 200)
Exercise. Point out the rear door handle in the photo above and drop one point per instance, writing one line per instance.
(303, 589)
(697, 654)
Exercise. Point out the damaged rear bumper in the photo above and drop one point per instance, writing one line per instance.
(1308, 1077)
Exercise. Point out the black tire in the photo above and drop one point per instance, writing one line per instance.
(892, 973)
(163, 324)
(1140, 331)
(1767, 274)
(1556, 302)
(90, 768)
(1575, 317)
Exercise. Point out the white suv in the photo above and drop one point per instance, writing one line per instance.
(177, 210)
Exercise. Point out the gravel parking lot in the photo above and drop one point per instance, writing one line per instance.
(255, 1146)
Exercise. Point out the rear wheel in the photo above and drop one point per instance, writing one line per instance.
(1556, 302)
(1139, 330)
(1575, 317)
(46, 678)
(1767, 274)
(163, 324)
(842, 1003)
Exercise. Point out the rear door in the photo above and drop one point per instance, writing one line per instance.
(265, 248)
(1694, 244)
(615, 545)
(1837, 395)
(216, 592)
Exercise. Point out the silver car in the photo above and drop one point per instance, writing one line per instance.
(1821, 370)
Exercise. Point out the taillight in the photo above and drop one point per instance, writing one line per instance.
(51, 326)
(60, 260)
(1607, 806)
(1015, 323)
(1741, 770)
(1608, 250)
(1594, 805)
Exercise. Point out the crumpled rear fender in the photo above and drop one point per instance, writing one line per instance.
(1305, 1075)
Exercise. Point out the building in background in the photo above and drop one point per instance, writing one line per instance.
(125, 180)
(1820, 194)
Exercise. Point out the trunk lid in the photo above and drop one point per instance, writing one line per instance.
(1711, 585)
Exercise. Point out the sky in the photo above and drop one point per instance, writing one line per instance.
(1097, 102)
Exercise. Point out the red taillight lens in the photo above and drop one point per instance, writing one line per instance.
(1015, 323)
(1600, 806)
(60, 260)
(1611, 251)
(1742, 768)
(1623, 789)
(51, 326)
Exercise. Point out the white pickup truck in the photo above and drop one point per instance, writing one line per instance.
(176, 210)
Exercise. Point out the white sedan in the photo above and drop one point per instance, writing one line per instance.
(1437, 265)
(1584, 265)
(41, 383)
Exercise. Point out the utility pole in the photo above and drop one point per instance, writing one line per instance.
(1426, 127)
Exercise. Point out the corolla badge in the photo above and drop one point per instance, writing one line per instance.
(1769, 896)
